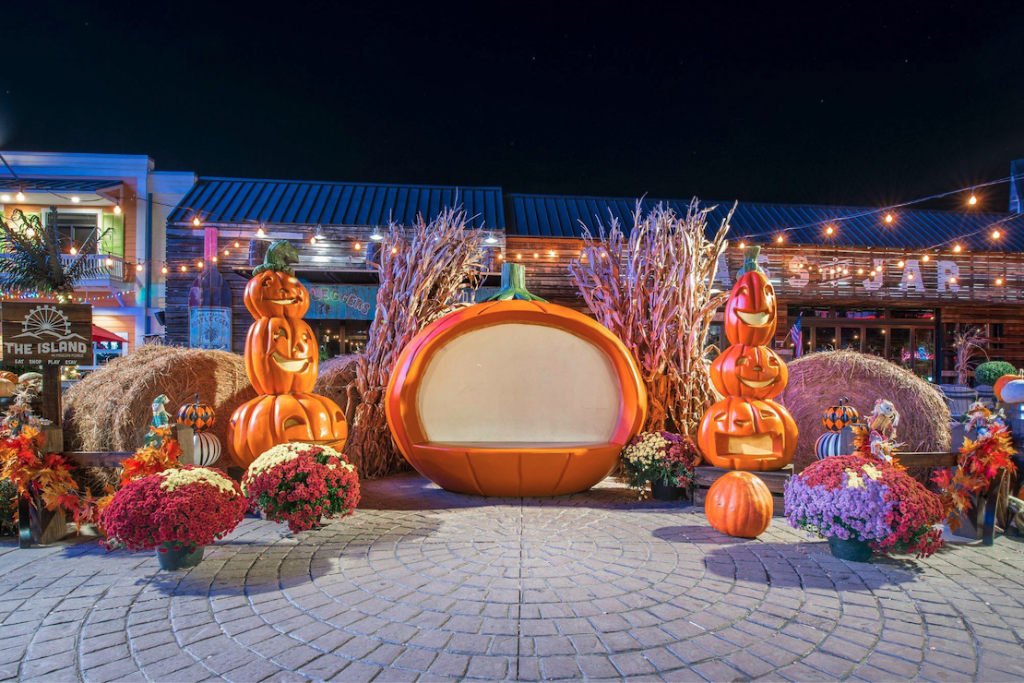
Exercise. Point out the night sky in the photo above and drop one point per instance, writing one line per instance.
(835, 102)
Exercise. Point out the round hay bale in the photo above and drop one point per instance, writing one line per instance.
(333, 381)
(819, 380)
(110, 410)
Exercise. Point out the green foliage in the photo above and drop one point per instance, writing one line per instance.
(32, 256)
(988, 373)
(8, 508)
(280, 257)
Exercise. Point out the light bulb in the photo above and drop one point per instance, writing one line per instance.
(226, 252)
(996, 234)
(73, 251)
(312, 240)
(900, 264)
(519, 256)
(952, 280)
(138, 267)
(261, 232)
(117, 209)
(973, 200)
(743, 245)
(926, 258)
(535, 254)
(376, 236)
(75, 200)
(501, 257)
(491, 239)
(999, 281)
(888, 218)
(860, 271)
(199, 265)
(779, 239)
(237, 245)
(552, 254)
(213, 258)
(394, 250)
(30, 233)
(184, 269)
(109, 262)
(829, 230)
(196, 222)
(20, 196)
(164, 270)
(910, 276)
(957, 248)
(5, 197)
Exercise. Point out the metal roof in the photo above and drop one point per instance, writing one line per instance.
(291, 202)
(1017, 185)
(9, 183)
(565, 216)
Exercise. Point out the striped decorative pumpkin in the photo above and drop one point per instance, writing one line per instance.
(837, 417)
(205, 449)
(739, 504)
(827, 445)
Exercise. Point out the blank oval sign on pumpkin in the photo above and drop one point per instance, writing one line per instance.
(515, 398)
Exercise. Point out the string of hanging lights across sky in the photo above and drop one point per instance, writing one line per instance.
(829, 230)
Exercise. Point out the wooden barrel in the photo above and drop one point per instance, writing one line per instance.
(828, 444)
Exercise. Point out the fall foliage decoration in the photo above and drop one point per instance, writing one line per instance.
(552, 399)
(281, 360)
(653, 287)
(745, 430)
(739, 504)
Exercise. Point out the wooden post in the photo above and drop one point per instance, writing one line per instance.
(51, 395)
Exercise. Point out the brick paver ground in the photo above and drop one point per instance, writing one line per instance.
(423, 584)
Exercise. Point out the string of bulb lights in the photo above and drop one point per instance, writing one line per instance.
(829, 228)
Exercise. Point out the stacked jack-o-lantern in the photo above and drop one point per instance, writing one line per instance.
(282, 360)
(746, 430)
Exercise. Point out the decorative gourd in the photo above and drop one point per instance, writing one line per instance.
(281, 360)
(751, 313)
(9, 376)
(199, 416)
(839, 416)
(7, 388)
(274, 291)
(751, 371)
(1013, 392)
(267, 421)
(281, 355)
(515, 397)
(827, 445)
(747, 434)
(33, 381)
(205, 449)
(997, 388)
(739, 504)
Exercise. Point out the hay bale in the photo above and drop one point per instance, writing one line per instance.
(111, 408)
(333, 381)
(819, 380)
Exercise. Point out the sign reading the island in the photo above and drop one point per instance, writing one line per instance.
(39, 333)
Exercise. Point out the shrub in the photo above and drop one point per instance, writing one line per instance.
(8, 508)
(988, 373)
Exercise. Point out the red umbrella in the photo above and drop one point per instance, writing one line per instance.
(101, 335)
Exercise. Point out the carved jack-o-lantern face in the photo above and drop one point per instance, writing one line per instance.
(276, 294)
(751, 312)
(266, 421)
(751, 371)
(281, 355)
(747, 434)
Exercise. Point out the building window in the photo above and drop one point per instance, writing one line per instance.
(75, 229)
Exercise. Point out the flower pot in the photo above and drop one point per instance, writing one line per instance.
(173, 560)
(663, 491)
(850, 549)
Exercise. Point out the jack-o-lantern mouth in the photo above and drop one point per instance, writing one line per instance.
(757, 446)
(758, 385)
(283, 302)
(289, 364)
(758, 319)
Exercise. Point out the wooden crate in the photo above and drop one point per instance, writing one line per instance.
(776, 482)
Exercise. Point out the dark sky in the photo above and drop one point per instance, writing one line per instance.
(832, 102)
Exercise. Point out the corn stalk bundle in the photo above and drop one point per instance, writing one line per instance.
(422, 271)
(653, 289)
(968, 345)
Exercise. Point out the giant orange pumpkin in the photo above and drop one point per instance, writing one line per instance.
(515, 397)
(750, 371)
(281, 359)
(747, 434)
(281, 355)
(739, 504)
(273, 290)
(267, 421)
(751, 313)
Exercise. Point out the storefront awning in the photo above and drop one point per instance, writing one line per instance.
(101, 335)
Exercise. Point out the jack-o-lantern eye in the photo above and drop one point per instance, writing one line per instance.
(281, 332)
(741, 423)
(741, 361)
(743, 291)
(720, 417)
(266, 282)
(765, 414)
(773, 362)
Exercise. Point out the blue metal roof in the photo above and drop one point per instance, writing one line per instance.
(565, 216)
(9, 183)
(291, 202)
(1017, 185)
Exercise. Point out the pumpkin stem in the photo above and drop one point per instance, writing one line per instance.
(279, 258)
(513, 284)
(750, 264)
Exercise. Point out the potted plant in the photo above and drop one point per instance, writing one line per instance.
(863, 504)
(664, 459)
(301, 484)
(178, 512)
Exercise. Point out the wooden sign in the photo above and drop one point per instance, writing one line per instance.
(47, 334)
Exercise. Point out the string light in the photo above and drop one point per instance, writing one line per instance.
(196, 222)
(910, 276)
(20, 196)
(117, 209)
(491, 239)
(888, 218)
(30, 233)
(184, 269)
(996, 234)
(780, 239)
(860, 271)
(552, 253)
(213, 258)
(5, 197)
(999, 282)
(900, 264)
(829, 230)
(501, 257)
(109, 262)
(138, 267)
(952, 280)
(199, 265)
(73, 251)
(926, 258)
(237, 245)
(376, 236)
(973, 200)
(536, 255)
(312, 240)
(163, 270)
(261, 233)
(743, 245)
(75, 200)
(226, 252)
(357, 246)
(394, 250)
(957, 248)
(519, 257)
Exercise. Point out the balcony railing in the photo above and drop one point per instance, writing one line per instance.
(102, 267)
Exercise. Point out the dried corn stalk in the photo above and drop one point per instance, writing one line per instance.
(422, 270)
(653, 290)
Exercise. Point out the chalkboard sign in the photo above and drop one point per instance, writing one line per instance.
(41, 333)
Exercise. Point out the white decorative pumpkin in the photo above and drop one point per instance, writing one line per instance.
(7, 388)
(1013, 392)
(205, 449)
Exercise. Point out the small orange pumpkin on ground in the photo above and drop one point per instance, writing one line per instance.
(751, 312)
(747, 434)
(267, 421)
(739, 504)
(750, 371)
(274, 291)
(515, 397)
(281, 355)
